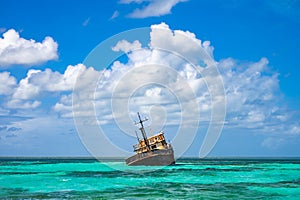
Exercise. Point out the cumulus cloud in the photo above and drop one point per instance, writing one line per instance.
(20, 51)
(126, 46)
(82, 92)
(7, 83)
(64, 106)
(26, 90)
(153, 8)
(54, 81)
(252, 91)
(23, 104)
(37, 82)
(247, 104)
(183, 42)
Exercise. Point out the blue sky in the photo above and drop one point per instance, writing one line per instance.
(45, 45)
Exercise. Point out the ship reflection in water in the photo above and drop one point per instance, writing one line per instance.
(152, 151)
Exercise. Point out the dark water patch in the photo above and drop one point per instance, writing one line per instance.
(241, 169)
(52, 160)
(104, 174)
(19, 173)
(139, 174)
(282, 184)
(8, 163)
(220, 162)
(12, 193)
(22, 163)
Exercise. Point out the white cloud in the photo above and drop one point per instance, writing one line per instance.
(64, 106)
(252, 93)
(22, 104)
(153, 92)
(54, 81)
(26, 90)
(7, 83)
(83, 92)
(255, 116)
(126, 46)
(153, 8)
(38, 82)
(183, 42)
(17, 50)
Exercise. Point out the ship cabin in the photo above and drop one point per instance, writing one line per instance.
(156, 142)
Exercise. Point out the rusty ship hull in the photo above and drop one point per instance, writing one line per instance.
(154, 158)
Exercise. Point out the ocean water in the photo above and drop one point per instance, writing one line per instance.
(188, 179)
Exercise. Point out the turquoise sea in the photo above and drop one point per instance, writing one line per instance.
(188, 179)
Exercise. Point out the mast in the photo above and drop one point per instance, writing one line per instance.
(142, 129)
